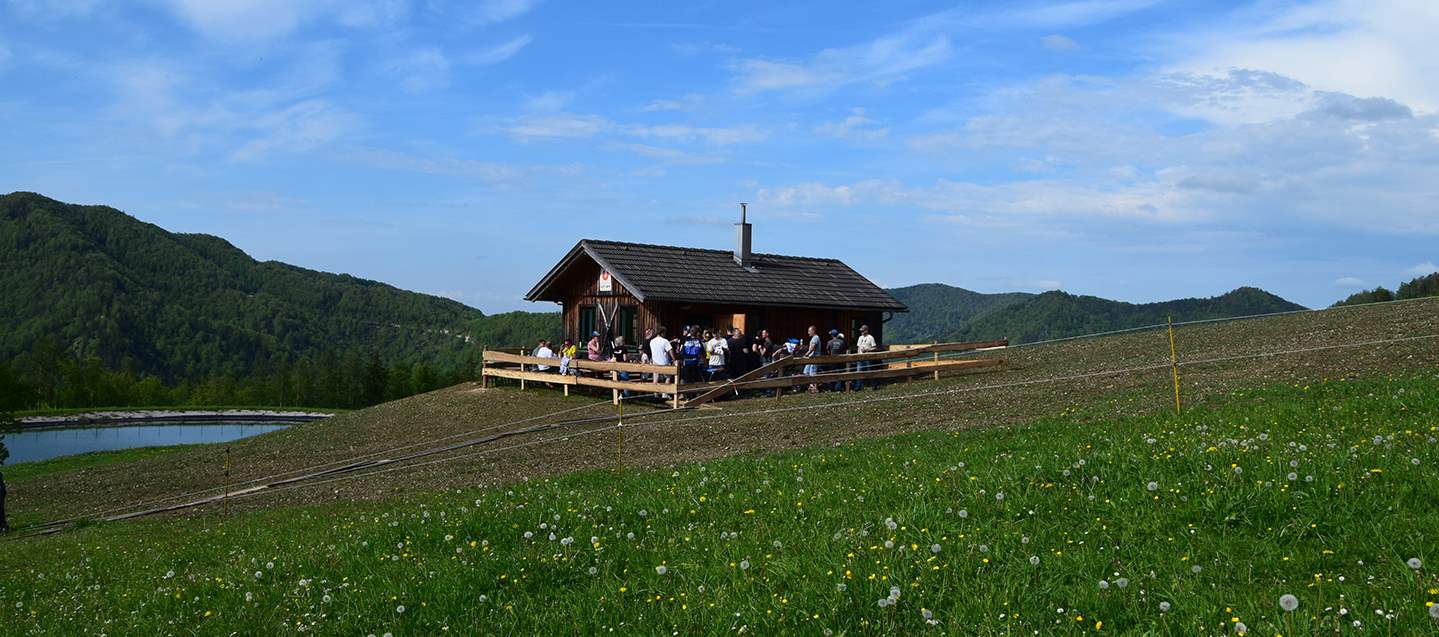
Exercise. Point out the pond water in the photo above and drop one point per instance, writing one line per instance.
(43, 444)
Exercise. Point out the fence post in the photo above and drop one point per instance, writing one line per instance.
(522, 369)
(677, 383)
(936, 363)
(615, 376)
(1174, 361)
(484, 380)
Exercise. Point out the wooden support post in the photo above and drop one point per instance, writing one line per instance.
(677, 383)
(615, 376)
(936, 363)
(484, 380)
(522, 368)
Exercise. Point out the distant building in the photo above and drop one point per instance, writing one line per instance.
(626, 288)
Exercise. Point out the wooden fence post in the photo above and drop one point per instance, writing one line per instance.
(936, 363)
(522, 368)
(677, 383)
(484, 380)
(615, 376)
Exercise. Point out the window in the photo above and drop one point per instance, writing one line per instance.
(587, 324)
(629, 326)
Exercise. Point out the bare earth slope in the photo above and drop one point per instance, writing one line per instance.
(1076, 376)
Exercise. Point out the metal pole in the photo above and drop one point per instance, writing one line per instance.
(227, 481)
(1174, 361)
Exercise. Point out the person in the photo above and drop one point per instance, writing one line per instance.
(864, 345)
(619, 353)
(764, 346)
(740, 356)
(812, 351)
(542, 350)
(718, 350)
(644, 349)
(569, 350)
(660, 352)
(836, 347)
(692, 352)
(595, 353)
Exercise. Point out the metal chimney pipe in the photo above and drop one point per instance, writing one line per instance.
(742, 240)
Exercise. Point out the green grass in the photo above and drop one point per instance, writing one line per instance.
(1219, 546)
(24, 470)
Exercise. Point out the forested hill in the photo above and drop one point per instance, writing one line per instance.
(1057, 315)
(936, 310)
(105, 284)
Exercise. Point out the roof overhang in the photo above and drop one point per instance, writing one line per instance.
(541, 290)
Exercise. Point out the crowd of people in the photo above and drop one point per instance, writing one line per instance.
(707, 355)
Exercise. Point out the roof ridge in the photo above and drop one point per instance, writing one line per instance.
(686, 249)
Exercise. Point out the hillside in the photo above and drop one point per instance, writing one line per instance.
(1058, 314)
(179, 306)
(1416, 288)
(936, 310)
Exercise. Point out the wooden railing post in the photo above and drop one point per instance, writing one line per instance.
(677, 383)
(936, 363)
(484, 380)
(522, 368)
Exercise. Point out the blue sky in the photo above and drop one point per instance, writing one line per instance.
(1132, 149)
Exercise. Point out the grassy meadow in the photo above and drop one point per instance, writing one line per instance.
(1089, 521)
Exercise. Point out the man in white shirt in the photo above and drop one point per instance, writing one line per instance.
(865, 344)
(543, 351)
(660, 351)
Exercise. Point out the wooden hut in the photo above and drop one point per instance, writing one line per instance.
(617, 288)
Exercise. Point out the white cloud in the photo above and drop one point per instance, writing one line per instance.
(1059, 43)
(687, 103)
(492, 11)
(390, 160)
(1423, 269)
(852, 126)
(423, 69)
(245, 20)
(1045, 285)
(881, 62)
(1365, 48)
(667, 155)
(1350, 282)
(559, 125)
(304, 126)
(1065, 14)
(498, 53)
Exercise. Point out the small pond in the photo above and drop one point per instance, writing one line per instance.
(43, 444)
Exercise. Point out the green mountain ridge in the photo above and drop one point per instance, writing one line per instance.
(941, 312)
(178, 306)
(1058, 314)
(936, 310)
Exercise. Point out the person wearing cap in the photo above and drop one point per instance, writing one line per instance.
(835, 347)
(865, 344)
(593, 347)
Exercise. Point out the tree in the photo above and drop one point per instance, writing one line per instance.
(15, 395)
(375, 380)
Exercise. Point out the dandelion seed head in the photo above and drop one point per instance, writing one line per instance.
(1196, 569)
(744, 565)
(1289, 603)
(926, 613)
(1415, 563)
(1122, 582)
(934, 548)
(1292, 476)
(594, 570)
(778, 544)
(399, 609)
(1034, 559)
(840, 587)
(963, 513)
(661, 569)
(983, 549)
(999, 496)
(1103, 584)
(894, 592)
(1164, 607)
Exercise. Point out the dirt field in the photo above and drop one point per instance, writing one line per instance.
(1049, 380)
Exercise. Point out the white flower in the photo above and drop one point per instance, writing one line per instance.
(259, 574)
(1240, 628)
(926, 613)
(449, 537)
(999, 496)
(1434, 611)
(529, 534)
(1288, 602)
(894, 592)
(661, 569)
(1034, 559)
(325, 599)
(1153, 486)
(484, 599)
(1415, 563)
(1164, 607)
(744, 565)
(269, 565)
(399, 609)
(1122, 582)
(1103, 584)
(963, 513)
(1024, 540)
(1292, 476)
(644, 513)
(889, 544)
(594, 570)
(884, 602)
(934, 548)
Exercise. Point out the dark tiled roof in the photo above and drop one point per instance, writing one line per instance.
(669, 273)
